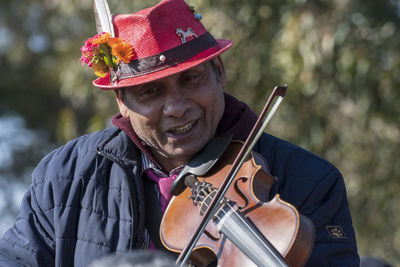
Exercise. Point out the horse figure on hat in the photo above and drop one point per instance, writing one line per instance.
(185, 34)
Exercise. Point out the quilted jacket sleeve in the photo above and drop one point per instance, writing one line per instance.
(328, 208)
(30, 241)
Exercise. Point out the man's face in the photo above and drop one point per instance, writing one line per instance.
(177, 115)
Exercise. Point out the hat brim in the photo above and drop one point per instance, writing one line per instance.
(105, 84)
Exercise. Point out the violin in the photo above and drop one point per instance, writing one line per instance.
(234, 225)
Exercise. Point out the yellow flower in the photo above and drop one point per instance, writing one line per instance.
(100, 69)
(121, 49)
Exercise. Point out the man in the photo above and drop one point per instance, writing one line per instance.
(90, 197)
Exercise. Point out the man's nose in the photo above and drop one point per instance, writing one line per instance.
(176, 102)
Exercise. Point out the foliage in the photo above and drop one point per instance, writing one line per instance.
(340, 59)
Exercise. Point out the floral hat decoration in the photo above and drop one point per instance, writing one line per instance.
(103, 53)
(151, 44)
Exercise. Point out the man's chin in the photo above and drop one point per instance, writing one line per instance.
(184, 154)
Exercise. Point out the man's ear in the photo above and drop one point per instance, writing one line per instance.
(221, 70)
(120, 96)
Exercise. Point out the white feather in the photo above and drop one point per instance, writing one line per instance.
(103, 17)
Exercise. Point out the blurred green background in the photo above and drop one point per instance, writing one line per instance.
(340, 59)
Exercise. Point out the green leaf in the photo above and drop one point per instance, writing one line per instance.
(106, 60)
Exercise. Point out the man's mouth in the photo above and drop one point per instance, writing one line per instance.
(182, 130)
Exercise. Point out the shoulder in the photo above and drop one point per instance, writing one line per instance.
(293, 159)
(299, 171)
(69, 160)
(77, 170)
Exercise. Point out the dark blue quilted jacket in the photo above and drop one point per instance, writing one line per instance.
(86, 200)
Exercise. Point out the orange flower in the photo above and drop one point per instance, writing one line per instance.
(101, 38)
(103, 53)
(121, 49)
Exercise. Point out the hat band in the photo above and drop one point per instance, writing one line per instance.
(164, 60)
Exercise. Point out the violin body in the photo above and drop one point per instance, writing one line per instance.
(290, 233)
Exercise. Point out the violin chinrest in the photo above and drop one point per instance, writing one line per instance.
(202, 162)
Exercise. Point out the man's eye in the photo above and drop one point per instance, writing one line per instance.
(192, 77)
(151, 91)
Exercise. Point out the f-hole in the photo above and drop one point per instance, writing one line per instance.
(240, 192)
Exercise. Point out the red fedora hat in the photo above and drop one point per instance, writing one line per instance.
(166, 39)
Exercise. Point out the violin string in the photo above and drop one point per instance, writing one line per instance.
(221, 210)
(240, 218)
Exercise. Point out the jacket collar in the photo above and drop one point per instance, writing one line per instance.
(117, 146)
(238, 119)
